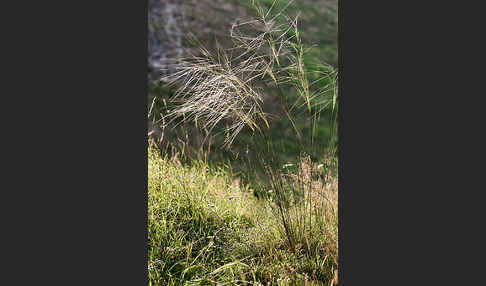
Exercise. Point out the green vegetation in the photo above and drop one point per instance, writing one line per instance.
(243, 170)
(206, 228)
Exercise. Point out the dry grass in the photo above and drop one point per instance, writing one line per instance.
(305, 202)
(229, 85)
(299, 242)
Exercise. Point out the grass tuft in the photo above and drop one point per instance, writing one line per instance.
(277, 224)
(205, 228)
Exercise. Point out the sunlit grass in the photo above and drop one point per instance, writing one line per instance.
(206, 228)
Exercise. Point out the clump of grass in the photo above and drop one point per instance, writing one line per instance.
(212, 90)
(305, 203)
(194, 216)
(204, 228)
(229, 85)
(297, 244)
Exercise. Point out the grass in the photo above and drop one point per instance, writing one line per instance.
(272, 220)
(320, 22)
(281, 134)
(206, 228)
(229, 88)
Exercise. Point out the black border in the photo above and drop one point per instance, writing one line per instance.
(80, 212)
